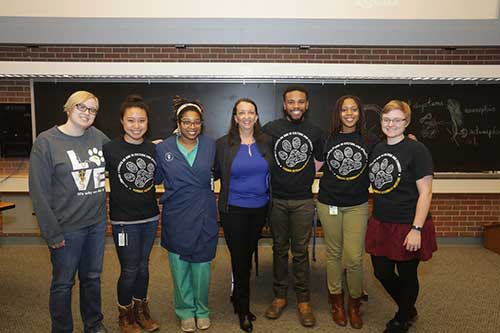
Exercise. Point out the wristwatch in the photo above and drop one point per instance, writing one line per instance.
(415, 227)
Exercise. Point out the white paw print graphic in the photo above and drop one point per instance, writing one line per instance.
(293, 153)
(346, 161)
(139, 174)
(381, 173)
(96, 156)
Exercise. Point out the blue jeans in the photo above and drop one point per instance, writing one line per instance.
(134, 260)
(83, 252)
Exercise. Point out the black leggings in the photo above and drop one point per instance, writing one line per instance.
(403, 286)
(242, 228)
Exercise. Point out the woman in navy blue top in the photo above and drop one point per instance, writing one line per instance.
(243, 159)
(189, 229)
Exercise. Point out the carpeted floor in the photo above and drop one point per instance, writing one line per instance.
(460, 292)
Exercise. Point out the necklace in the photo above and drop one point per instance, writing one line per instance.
(249, 146)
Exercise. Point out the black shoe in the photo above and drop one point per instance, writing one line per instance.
(245, 322)
(392, 321)
(395, 326)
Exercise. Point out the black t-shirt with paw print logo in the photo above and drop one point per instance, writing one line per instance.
(345, 175)
(295, 146)
(393, 172)
(131, 170)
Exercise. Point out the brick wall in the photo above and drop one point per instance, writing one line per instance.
(463, 215)
(210, 53)
(455, 215)
(14, 91)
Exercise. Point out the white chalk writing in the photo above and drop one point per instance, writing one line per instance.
(480, 110)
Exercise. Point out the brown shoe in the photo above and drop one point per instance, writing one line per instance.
(306, 315)
(143, 316)
(126, 319)
(354, 306)
(276, 308)
(338, 311)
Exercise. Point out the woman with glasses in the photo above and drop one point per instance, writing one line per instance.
(242, 163)
(134, 214)
(343, 206)
(66, 180)
(400, 232)
(189, 226)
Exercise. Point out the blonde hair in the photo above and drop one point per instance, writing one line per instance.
(398, 105)
(79, 97)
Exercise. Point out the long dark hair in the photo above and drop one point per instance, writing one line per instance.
(336, 122)
(233, 128)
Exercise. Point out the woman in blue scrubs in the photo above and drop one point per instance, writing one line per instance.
(189, 226)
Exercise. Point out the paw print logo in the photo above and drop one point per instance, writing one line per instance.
(95, 156)
(347, 158)
(292, 151)
(139, 173)
(385, 170)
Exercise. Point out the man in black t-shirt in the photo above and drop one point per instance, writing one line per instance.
(296, 142)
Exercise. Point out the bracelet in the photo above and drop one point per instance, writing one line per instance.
(415, 227)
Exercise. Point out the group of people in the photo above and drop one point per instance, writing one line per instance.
(266, 174)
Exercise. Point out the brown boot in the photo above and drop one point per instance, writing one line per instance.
(276, 308)
(354, 306)
(143, 316)
(126, 319)
(306, 315)
(338, 311)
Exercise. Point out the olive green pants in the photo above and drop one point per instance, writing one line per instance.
(345, 229)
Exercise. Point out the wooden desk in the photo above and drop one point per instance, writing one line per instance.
(6, 205)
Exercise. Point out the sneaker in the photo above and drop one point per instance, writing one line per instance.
(101, 329)
(203, 323)
(188, 325)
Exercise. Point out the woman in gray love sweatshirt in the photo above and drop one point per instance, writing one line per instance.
(66, 180)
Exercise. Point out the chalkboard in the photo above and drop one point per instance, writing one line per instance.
(460, 124)
(15, 130)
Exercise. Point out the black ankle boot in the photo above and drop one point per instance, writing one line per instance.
(395, 326)
(245, 322)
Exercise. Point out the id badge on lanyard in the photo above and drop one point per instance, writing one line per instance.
(122, 238)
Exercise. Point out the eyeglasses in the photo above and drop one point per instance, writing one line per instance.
(84, 108)
(189, 123)
(395, 121)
